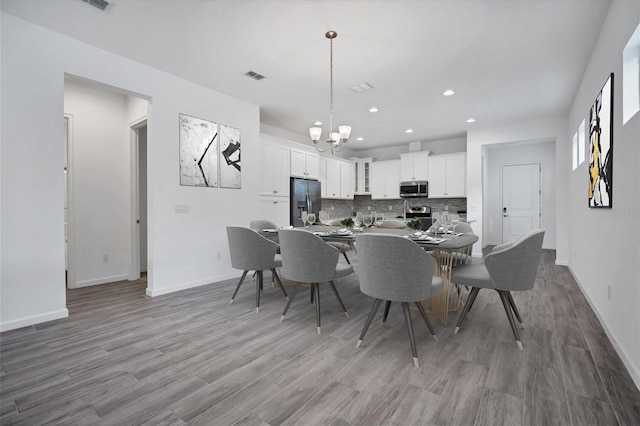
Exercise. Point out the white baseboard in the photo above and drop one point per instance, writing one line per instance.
(35, 319)
(102, 280)
(634, 370)
(184, 286)
(562, 262)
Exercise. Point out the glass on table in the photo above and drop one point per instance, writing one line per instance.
(367, 219)
(357, 221)
(303, 216)
(311, 218)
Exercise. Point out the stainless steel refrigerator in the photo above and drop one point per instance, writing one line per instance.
(305, 196)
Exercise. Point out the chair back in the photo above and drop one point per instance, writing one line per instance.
(260, 224)
(306, 257)
(513, 267)
(250, 250)
(393, 268)
(464, 228)
(392, 223)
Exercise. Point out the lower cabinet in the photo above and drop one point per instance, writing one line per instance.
(275, 209)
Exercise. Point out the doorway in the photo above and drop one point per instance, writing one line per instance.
(521, 205)
(139, 200)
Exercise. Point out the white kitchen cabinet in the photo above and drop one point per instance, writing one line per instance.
(336, 177)
(414, 166)
(346, 180)
(305, 164)
(275, 169)
(448, 175)
(275, 209)
(362, 173)
(385, 180)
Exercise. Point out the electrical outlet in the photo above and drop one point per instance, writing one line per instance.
(219, 256)
(332, 209)
(368, 207)
(609, 292)
(105, 257)
(390, 208)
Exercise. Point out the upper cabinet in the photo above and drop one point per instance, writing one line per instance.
(448, 175)
(385, 180)
(305, 164)
(414, 166)
(361, 175)
(336, 177)
(275, 172)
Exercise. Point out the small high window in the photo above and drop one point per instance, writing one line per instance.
(575, 151)
(581, 143)
(631, 77)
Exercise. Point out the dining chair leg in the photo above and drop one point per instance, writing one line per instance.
(467, 306)
(513, 307)
(344, 253)
(244, 274)
(335, 291)
(372, 314)
(505, 303)
(258, 289)
(412, 339)
(293, 295)
(426, 320)
(387, 305)
(316, 286)
(277, 278)
(312, 294)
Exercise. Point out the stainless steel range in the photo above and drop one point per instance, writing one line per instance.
(418, 211)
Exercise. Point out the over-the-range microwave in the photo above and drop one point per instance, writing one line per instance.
(417, 188)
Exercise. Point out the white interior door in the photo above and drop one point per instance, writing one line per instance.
(521, 208)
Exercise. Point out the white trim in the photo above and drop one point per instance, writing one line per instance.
(134, 258)
(166, 290)
(71, 228)
(561, 262)
(103, 280)
(634, 371)
(35, 319)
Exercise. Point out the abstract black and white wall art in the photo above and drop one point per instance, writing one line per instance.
(601, 148)
(230, 171)
(198, 152)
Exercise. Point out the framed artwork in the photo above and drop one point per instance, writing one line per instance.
(198, 152)
(601, 148)
(230, 169)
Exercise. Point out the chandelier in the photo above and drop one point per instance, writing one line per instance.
(338, 139)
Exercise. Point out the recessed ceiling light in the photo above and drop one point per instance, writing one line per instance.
(409, 131)
(449, 92)
(360, 139)
(471, 120)
(318, 123)
(373, 109)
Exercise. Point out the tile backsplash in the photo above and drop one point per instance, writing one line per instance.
(390, 208)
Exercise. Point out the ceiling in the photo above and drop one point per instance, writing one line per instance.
(507, 60)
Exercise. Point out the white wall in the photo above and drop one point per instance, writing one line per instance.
(183, 248)
(100, 169)
(551, 129)
(499, 155)
(604, 244)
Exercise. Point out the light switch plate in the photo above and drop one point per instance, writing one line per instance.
(182, 208)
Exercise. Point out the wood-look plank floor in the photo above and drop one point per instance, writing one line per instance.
(122, 358)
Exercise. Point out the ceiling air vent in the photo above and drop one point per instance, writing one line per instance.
(100, 4)
(358, 88)
(254, 75)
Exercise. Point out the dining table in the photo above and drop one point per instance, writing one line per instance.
(448, 250)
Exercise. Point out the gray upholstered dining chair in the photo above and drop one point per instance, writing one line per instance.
(395, 269)
(306, 258)
(506, 268)
(250, 251)
(261, 224)
(342, 247)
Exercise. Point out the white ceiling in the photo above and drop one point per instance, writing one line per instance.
(508, 60)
